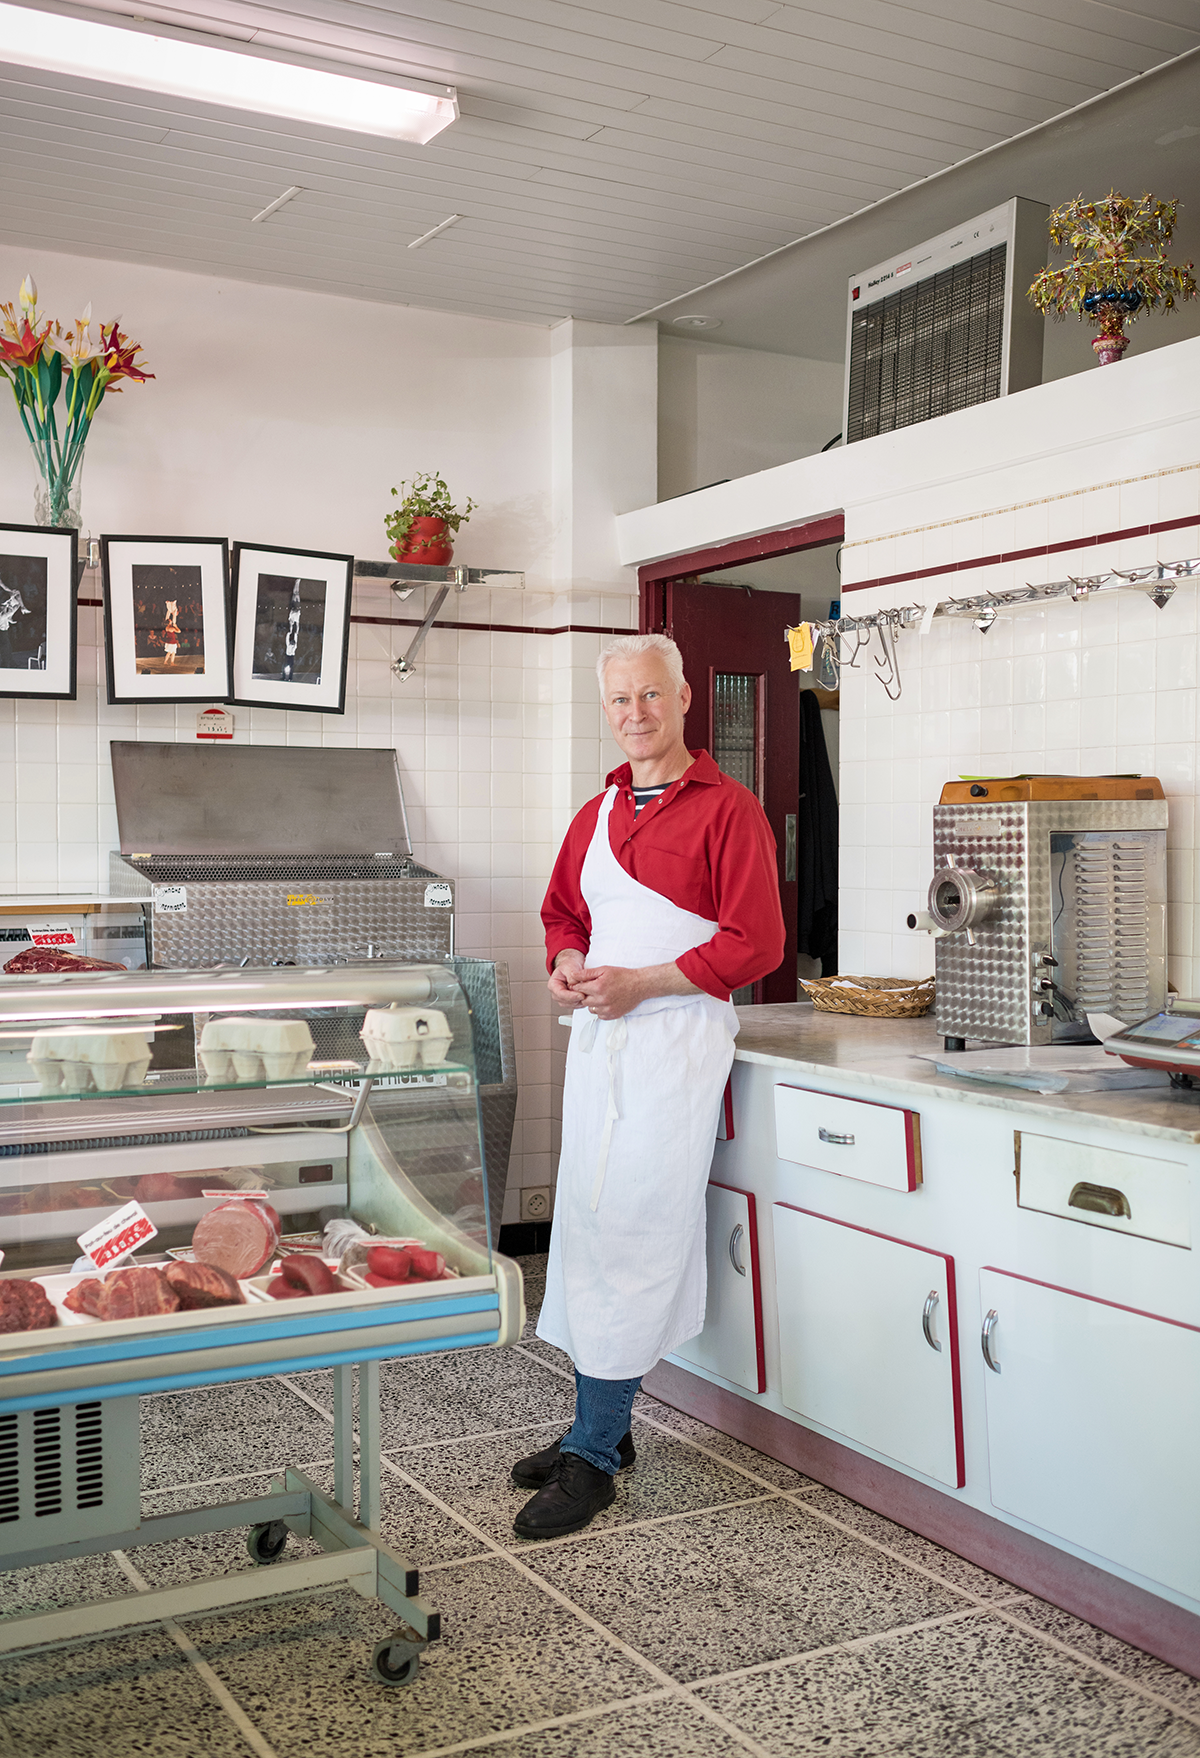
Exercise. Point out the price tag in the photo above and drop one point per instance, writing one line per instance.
(117, 1235)
(51, 934)
(237, 1196)
(170, 900)
(439, 896)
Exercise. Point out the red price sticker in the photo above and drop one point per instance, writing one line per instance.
(57, 939)
(118, 1234)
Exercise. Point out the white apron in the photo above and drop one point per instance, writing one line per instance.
(625, 1284)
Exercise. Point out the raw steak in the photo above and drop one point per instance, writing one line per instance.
(25, 1306)
(137, 1293)
(199, 1285)
(41, 960)
(239, 1238)
(86, 1297)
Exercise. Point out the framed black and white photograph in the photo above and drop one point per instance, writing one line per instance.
(166, 621)
(291, 628)
(38, 592)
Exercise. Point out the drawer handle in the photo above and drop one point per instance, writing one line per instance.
(839, 1141)
(931, 1300)
(1100, 1199)
(985, 1339)
(734, 1239)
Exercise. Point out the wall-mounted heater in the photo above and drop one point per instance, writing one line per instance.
(946, 324)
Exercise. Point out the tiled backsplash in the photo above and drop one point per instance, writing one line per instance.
(500, 741)
(1106, 685)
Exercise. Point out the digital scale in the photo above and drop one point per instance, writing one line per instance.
(1168, 1041)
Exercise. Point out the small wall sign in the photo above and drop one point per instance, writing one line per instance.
(170, 900)
(214, 723)
(439, 896)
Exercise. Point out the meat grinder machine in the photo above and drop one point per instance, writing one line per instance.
(1048, 902)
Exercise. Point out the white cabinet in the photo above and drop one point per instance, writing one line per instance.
(879, 1144)
(731, 1343)
(868, 1340)
(1093, 1415)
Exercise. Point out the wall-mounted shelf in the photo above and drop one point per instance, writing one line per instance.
(414, 574)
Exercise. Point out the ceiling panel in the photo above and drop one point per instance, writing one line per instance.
(610, 156)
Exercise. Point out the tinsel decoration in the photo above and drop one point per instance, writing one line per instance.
(1119, 268)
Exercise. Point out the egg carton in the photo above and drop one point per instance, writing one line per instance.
(254, 1049)
(405, 1037)
(82, 1062)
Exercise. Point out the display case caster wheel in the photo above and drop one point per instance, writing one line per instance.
(266, 1543)
(397, 1658)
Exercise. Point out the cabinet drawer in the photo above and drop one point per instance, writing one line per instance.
(1104, 1187)
(731, 1343)
(879, 1144)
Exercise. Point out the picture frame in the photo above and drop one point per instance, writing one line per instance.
(39, 593)
(166, 619)
(291, 628)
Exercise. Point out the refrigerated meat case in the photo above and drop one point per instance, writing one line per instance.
(377, 1135)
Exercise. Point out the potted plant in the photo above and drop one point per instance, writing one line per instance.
(422, 527)
(1107, 279)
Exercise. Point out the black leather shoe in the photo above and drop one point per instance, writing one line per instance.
(571, 1496)
(532, 1471)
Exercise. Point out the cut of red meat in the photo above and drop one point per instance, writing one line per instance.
(310, 1274)
(86, 1297)
(281, 1289)
(42, 960)
(239, 1238)
(165, 1187)
(388, 1262)
(25, 1306)
(199, 1285)
(137, 1293)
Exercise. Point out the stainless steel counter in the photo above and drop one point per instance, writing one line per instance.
(886, 1053)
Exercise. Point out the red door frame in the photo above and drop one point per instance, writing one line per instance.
(655, 575)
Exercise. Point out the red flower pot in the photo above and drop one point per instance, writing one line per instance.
(428, 542)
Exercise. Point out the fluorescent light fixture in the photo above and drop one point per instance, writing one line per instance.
(280, 201)
(187, 67)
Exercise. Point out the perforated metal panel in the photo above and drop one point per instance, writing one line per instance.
(69, 1471)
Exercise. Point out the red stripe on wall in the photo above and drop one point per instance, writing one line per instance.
(1022, 555)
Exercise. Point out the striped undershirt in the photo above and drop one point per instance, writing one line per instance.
(642, 796)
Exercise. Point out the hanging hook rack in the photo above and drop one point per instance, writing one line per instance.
(1157, 581)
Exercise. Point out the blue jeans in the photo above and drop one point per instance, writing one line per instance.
(602, 1410)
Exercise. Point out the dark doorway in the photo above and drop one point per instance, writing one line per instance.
(745, 702)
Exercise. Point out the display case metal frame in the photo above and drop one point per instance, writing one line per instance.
(57, 1371)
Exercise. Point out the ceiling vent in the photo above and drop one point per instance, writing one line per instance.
(946, 324)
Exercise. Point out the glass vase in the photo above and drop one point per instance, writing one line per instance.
(60, 506)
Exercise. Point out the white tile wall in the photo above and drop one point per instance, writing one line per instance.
(499, 738)
(1106, 685)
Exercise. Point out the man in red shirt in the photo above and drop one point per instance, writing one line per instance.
(664, 898)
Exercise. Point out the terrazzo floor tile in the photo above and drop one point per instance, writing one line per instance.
(943, 1563)
(55, 1584)
(473, 1477)
(554, 1358)
(736, 1587)
(436, 1397)
(123, 1696)
(253, 1425)
(667, 1729)
(772, 1471)
(974, 1688)
(410, 1524)
(510, 1655)
(1178, 1688)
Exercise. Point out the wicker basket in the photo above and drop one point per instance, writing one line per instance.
(877, 998)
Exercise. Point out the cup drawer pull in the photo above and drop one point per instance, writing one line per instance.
(1100, 1199)
(831, 1135)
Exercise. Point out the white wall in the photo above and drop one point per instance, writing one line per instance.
(725, 412)
(285, 417)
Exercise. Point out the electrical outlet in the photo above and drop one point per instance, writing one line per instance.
(535, 1202)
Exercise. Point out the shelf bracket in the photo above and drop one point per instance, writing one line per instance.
(405, 667)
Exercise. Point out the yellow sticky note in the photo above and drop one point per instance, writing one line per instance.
(800, 647)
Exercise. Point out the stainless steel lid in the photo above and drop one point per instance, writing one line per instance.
(257, 799)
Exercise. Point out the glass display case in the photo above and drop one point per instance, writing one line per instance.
(302, 1152)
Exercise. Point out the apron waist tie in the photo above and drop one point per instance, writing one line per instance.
(618, 1037)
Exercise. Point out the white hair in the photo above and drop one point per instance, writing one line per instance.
(633, 646)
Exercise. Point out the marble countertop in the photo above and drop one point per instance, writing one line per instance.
(885, 1053)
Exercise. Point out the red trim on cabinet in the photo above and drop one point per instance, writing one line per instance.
(1096, 1300)
(727, 1101)
(755, 1279)
(912, 1137)
(1022, 555)
(814, 535)
(1157, 1626)
(960, 1445)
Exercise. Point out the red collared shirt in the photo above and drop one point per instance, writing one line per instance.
(706, 845)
